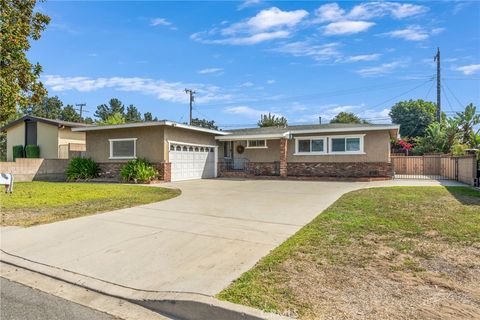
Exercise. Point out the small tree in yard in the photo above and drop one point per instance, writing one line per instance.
(347, 117)
(467, 120)
(272, 120)
(413, 116)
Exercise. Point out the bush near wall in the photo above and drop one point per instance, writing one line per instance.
(82, 169)
(138, 170)
(32, 151)
(18, 152)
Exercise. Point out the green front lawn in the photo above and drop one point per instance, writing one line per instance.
(42, 202)
(396, 253)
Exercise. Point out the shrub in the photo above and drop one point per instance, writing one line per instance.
(138, 170)
(32, 151)
(18, 152)
(459, 149)
(82, 168)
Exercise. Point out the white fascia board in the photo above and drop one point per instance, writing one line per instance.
(149, 124)
(236, 137)
(328, 130)
(191, 144)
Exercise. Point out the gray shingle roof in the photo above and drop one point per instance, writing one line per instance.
(44, 120)
(273, 130)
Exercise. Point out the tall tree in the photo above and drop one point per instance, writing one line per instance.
(114, 106)
(132, 114)
(468, 119)
(347, 117)
(272, 120)
(19, 78)
(116, 118)
(70, 114)
(204, 123)
(413, 116)
(147, 116)
(49, 107)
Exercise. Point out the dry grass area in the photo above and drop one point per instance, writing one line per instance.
(386, 253)
(34, 203)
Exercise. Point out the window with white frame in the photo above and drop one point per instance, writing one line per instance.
(310, 145)
(346, 144)
(256, 143)
(123, 148)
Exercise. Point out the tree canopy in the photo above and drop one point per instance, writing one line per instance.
(19, 78)
(104, 111)
(272, 120)
(132, 114)
(347, 117)
(204, 123)
(413, 116)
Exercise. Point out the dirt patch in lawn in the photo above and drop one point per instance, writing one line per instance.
(387, 253)
(390, 285)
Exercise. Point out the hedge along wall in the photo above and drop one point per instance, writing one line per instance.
(32, 151)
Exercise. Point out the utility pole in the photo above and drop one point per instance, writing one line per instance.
(191, 95)
(81, 105)
(437, 59)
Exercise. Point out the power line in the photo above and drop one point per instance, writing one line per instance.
(401, 94)
(446, 97)
(326, 94)
(453, 94)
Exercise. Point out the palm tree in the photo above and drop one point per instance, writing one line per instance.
(468, 119)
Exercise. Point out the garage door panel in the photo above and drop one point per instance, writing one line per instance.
(192, 162)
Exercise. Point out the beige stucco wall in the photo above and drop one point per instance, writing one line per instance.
(149, 143)
(186, 136)
(376, 147)
(66, 136)
(15, 137)
(47, 140)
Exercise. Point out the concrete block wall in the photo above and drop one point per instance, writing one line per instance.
(35, 169)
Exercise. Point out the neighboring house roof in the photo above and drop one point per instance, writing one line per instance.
(150, 124)
(59, 123)
(279, 132)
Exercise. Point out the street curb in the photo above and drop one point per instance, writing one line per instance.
(180, 305)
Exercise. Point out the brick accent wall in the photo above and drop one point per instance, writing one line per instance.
(111, 170)
(340, 169)
(263, 168)
(283, 157)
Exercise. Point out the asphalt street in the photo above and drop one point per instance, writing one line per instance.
(19, 302)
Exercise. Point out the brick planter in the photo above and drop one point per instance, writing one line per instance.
(340, 169)
(111, 170)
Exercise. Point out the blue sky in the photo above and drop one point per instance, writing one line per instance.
(298, 59)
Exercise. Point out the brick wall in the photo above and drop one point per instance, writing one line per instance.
(339, 169)
(111, 170)
(263, 168)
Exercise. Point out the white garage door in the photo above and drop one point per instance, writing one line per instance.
(192, 161)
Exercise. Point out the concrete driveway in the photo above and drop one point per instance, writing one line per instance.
(198, 242)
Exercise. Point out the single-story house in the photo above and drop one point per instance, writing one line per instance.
(182, 152)
(54, 137)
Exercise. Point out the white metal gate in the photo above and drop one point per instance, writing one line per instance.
(191, 161)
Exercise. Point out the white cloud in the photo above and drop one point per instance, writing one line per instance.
(247, 84)
(306, 49)
(248, 3)
(329, 12)
(363, 57)
(268, 24)
(382, 69)
(413, 33)
(271, 81)
(397, 10)
(347, 27)
(248, 40)
(248, 112)
(161, 89)
(210, 70)
(160, 22)
(469, 69)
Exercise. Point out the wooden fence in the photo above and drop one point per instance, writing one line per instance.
(439, 167)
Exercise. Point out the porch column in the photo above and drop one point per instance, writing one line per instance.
(283, 157)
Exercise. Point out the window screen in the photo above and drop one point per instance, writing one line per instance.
(123, 149)
(303, 145)
(338, 144)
